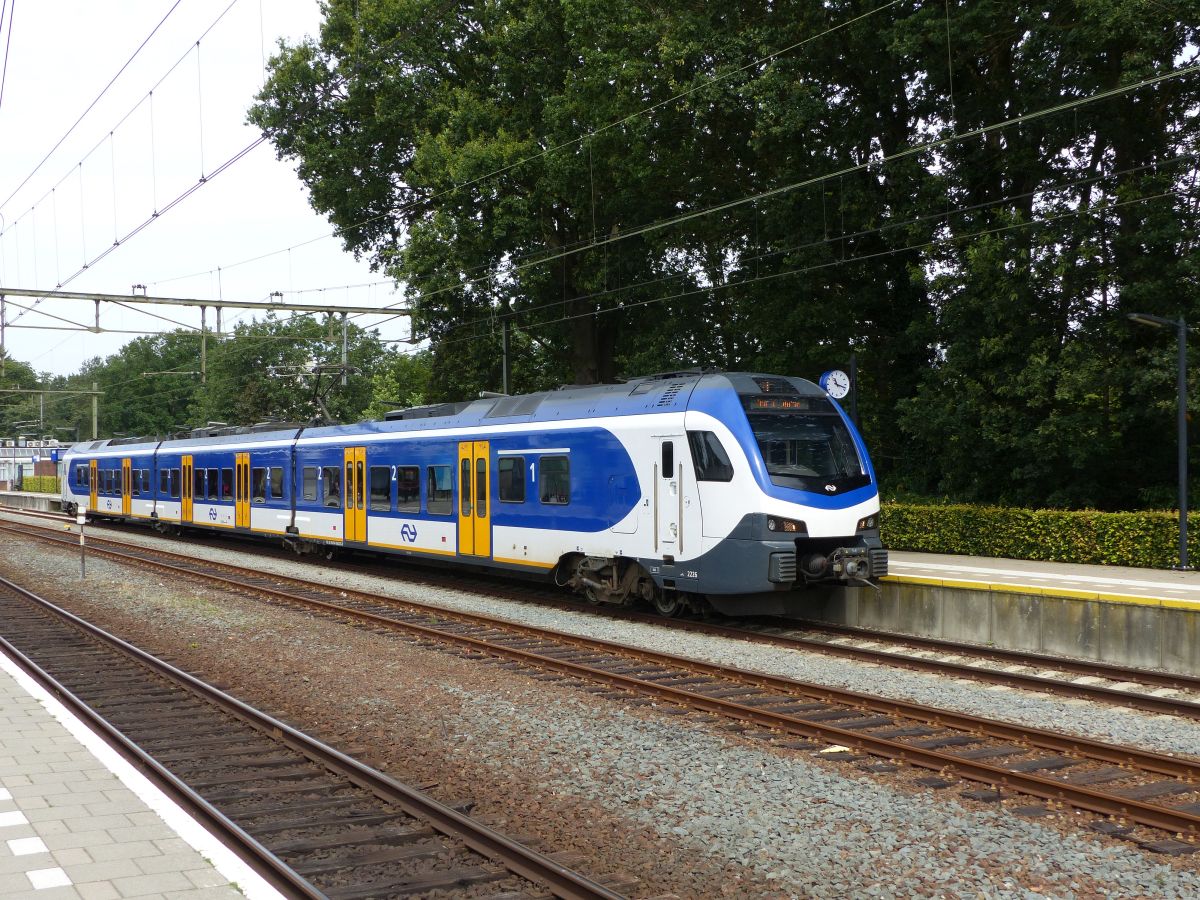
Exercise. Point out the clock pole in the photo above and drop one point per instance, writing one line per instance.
(854, 388)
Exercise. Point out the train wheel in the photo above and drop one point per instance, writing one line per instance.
(669, 603)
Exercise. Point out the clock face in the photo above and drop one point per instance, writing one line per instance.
(836, 383)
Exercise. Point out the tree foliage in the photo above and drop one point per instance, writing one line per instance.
(270, 370)
(642, 186)
(968, 197)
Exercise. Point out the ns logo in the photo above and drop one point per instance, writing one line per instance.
(409, 533)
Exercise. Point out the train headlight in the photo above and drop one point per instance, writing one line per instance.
(774, 523)
(867, 522)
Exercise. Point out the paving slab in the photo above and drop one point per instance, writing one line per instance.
(77, 820)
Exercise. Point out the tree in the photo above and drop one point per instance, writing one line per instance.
(17, 407)
(638, 187)
(277, 369)
(149, 385)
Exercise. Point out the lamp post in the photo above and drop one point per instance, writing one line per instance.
(1181, 329)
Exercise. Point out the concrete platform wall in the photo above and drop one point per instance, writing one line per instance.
(27, 500)
(1136, 633)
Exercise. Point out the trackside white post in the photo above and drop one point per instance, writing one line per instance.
(81, 518)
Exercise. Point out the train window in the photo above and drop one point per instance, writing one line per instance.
(438, 491)
(309, 476)
(331, 477)
(668, 459)
(709, 457)
(258, 478)
(214, 484)
(135, 486)
(381, 488)
(481, 488)
(106, 482)
(556, 479)
(174, 483)
(511, 475)
(276, 482)
(227, 484)
(146, 482)
(464, 488)
(200, 481)
(164, 482)
(408, 489)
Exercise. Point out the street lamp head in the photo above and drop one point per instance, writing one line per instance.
(1152, 321)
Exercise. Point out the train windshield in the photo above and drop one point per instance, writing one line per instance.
(811, 451)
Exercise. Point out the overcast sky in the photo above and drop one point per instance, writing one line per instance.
(132, 154)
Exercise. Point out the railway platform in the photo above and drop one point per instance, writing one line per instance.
(30, 500)
(1125, 616)
(78, 821)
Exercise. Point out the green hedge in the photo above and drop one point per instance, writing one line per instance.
(40, 484)
(1146, 539)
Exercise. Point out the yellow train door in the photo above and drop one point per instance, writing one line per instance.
(126, 502)
(355, 522)
(93, 483)
(241, 491)
(186, 490)
(474, 512)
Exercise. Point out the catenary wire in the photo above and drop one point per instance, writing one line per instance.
(716, 79)
(936, 242)
(91, 105)
(682, 295)
(7, 45)
(847, 236)
(149, 97)
(925, 147)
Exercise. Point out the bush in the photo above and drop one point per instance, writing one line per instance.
(40, 484)
(1145, 539)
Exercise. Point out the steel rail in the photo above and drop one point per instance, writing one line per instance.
(1188, 709)
(516, 857)
(276, 872)
(1140, 700)
(1097, 669)
(1082, 797)
(1130, 756)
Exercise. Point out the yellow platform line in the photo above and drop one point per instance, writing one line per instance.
(1041, 591)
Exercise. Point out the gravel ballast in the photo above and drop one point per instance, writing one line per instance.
(687, 806)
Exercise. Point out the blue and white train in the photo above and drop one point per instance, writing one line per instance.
(682, 490)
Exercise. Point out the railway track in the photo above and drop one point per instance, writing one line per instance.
(314, 822)
(1129, 787)
(1141, 689)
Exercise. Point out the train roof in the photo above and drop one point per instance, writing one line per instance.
(649, 394)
